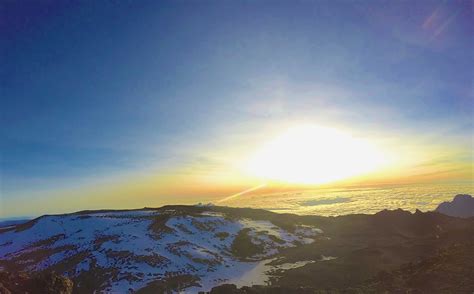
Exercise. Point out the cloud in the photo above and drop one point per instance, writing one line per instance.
(317, 202)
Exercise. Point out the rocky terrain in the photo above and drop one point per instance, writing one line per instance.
(195, 249)
(461, 206)
(185, 247)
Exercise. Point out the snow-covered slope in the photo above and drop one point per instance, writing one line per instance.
(190, 249)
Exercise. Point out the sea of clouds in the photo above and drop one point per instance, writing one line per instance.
(369, 200)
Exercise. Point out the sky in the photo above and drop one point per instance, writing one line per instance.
(142, 103)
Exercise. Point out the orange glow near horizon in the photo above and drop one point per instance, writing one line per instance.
(299, 158)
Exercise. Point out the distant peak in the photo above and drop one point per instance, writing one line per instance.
(396, 212)
(461, 206)
(462, 197)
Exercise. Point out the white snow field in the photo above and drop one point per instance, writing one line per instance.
(128, 250)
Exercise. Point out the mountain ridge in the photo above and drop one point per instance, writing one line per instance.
(461, 206)
(196, 248)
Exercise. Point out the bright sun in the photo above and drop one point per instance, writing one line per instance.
(314, 155)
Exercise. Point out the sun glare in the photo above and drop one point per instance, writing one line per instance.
(314, 155)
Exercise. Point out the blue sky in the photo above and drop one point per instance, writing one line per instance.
(95, 89)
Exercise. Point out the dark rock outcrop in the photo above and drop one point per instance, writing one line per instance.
(46, 283)
(461, 206)
(447, 271)
(232, 289)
